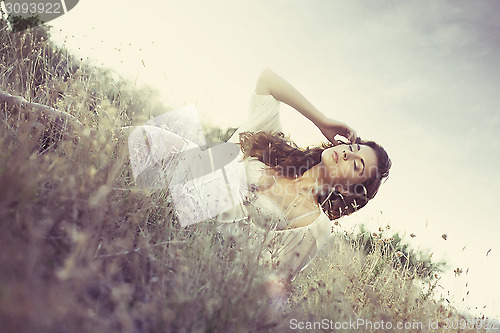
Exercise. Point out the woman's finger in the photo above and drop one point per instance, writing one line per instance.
(353, 136)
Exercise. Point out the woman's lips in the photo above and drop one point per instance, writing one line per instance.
(336, 157)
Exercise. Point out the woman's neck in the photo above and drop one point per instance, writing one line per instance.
(314, 181)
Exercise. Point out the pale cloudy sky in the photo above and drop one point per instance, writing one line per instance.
(421, 78)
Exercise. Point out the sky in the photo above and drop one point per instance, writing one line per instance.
(421, 78)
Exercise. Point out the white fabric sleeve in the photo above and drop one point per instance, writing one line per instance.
(263, 115)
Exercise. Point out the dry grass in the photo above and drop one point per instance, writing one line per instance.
(83, 250)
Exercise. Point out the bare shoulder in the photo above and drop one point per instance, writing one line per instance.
(268, 179)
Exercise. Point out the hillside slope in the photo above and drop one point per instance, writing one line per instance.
(84, 250)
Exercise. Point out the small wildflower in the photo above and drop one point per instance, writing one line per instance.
(86, 132)
(91, 172)
(444, 236)
(458, 271)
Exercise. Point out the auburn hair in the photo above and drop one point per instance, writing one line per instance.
(282, 155)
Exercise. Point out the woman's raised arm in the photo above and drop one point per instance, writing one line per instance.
(270, 83)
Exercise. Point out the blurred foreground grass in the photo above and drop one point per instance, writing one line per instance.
(83, 250)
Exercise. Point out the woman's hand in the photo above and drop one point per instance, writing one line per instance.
(331, 127)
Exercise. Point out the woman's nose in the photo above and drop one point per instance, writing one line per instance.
(347, 154)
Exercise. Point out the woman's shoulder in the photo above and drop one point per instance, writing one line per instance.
(263, 97)
(258, 173)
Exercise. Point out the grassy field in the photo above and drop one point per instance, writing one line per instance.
(84, 250)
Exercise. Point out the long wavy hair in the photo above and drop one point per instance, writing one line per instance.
(281, 154)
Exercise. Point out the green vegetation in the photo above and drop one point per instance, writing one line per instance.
(83, 250)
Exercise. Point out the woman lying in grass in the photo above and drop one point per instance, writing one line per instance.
(286, 197)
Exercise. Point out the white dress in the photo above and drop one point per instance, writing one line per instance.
(255, 223)
(247, 218)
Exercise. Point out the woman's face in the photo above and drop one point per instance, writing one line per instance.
(349, 164)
